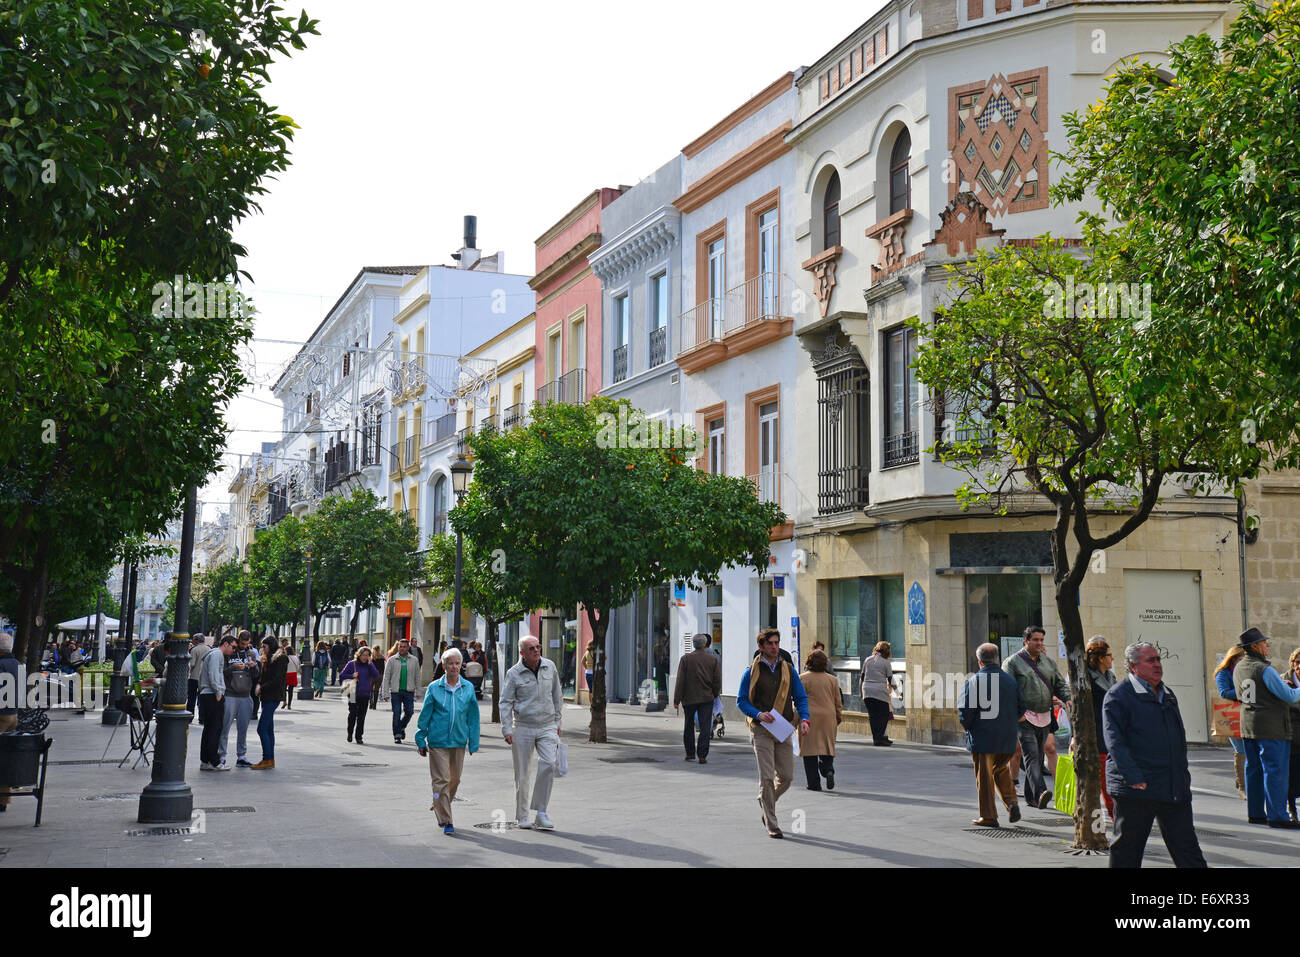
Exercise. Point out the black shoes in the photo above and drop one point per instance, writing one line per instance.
(830, 780)
(1292, 825)
(704, 760)
(1044, 799)
(1013, 813)
(1256, 820)
(811, 788)
(690, 757)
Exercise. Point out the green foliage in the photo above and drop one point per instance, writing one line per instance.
(277, 573)
(1204, 176)
(582, 522)
(360, 550)
(141, 123)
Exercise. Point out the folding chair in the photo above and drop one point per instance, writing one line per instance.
(139, 727)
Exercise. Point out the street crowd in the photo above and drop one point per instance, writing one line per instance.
(1010, 711)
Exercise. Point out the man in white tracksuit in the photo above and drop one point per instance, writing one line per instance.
(532, 704)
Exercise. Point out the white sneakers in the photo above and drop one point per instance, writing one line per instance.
(223, 766)
(525, 823)
(204, 766)
(543, 822)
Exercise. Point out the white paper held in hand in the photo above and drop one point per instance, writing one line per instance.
(778, 727)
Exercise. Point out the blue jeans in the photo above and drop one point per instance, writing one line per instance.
(402, 701)
(1268, 768)
(266, 729)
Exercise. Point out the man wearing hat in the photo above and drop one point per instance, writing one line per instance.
(1265, 731)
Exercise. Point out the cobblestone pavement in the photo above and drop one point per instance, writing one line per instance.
(634, 801)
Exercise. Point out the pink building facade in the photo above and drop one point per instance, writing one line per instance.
(568, 369)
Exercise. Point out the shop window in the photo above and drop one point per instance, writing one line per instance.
(998, 609)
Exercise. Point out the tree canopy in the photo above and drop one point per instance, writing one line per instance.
(584, 521)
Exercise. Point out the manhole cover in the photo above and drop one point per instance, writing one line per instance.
(631, 760)
(234, 809)
(159, 831)
(124, 796)
(498, 826)
(1007, 833)
(365, 765)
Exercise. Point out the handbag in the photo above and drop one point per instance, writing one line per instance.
(562, 760)
(350, 689)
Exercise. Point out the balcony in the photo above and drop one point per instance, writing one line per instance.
(620, 363)
(749, 315)
(462, 442)
(901, 449)
(658, 346)
(768, 484)
(340, 465)
(570, 388)
(411, 452)
(513, 416)
(441, 428)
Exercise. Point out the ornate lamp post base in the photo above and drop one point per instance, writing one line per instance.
(167, 799)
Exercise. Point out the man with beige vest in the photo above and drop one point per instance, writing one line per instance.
(771, 685)
(699, 682)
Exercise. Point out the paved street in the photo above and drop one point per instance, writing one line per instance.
(631, 802)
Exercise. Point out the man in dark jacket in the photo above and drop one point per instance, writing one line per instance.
(989, 708)
(699, 682)
(12, 694)
(1147, 771)
(338, 658)
(1265, 731)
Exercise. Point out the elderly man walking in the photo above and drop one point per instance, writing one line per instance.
(1266, 720)
(770, 687)
(532, 704)
(1041, 689)
(989, 708)
(699, 681)
(448, 726)
(1147, 772)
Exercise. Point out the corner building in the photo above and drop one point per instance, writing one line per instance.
(922, 136)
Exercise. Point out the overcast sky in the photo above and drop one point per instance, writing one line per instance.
(415, 113)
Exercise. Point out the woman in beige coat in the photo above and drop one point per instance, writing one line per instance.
(826, 709)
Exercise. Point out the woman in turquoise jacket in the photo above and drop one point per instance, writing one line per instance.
(448, 726)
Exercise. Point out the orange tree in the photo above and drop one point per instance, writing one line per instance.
(585, 515)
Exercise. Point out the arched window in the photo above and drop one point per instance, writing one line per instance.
(900, 181)
(440, 506)
(831, 212)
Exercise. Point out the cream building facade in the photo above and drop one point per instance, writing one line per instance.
(924, 135)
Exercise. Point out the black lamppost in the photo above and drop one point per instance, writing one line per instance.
(460, 471)
(167, 799)
(305, 671)
(306, 628)
(245, 592)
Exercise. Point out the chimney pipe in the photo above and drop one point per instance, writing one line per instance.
(471, 232)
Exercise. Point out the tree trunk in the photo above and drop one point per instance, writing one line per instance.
(1089, 818)
(356, 616)
(492, 664)
(599, 625)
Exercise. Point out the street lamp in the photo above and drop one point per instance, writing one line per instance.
(460, 471)
(306, 628)
(245, 593)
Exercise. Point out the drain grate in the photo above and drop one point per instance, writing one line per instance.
(1055, 822)
(159, 831)
(365, 765)
(123, 796)
(1009, 833)
(498, 826)
(631, 760)
(233, 809)
(80, 761)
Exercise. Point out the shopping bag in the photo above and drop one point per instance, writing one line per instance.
(1227, 719)
(562, 760)
(1064, 795)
